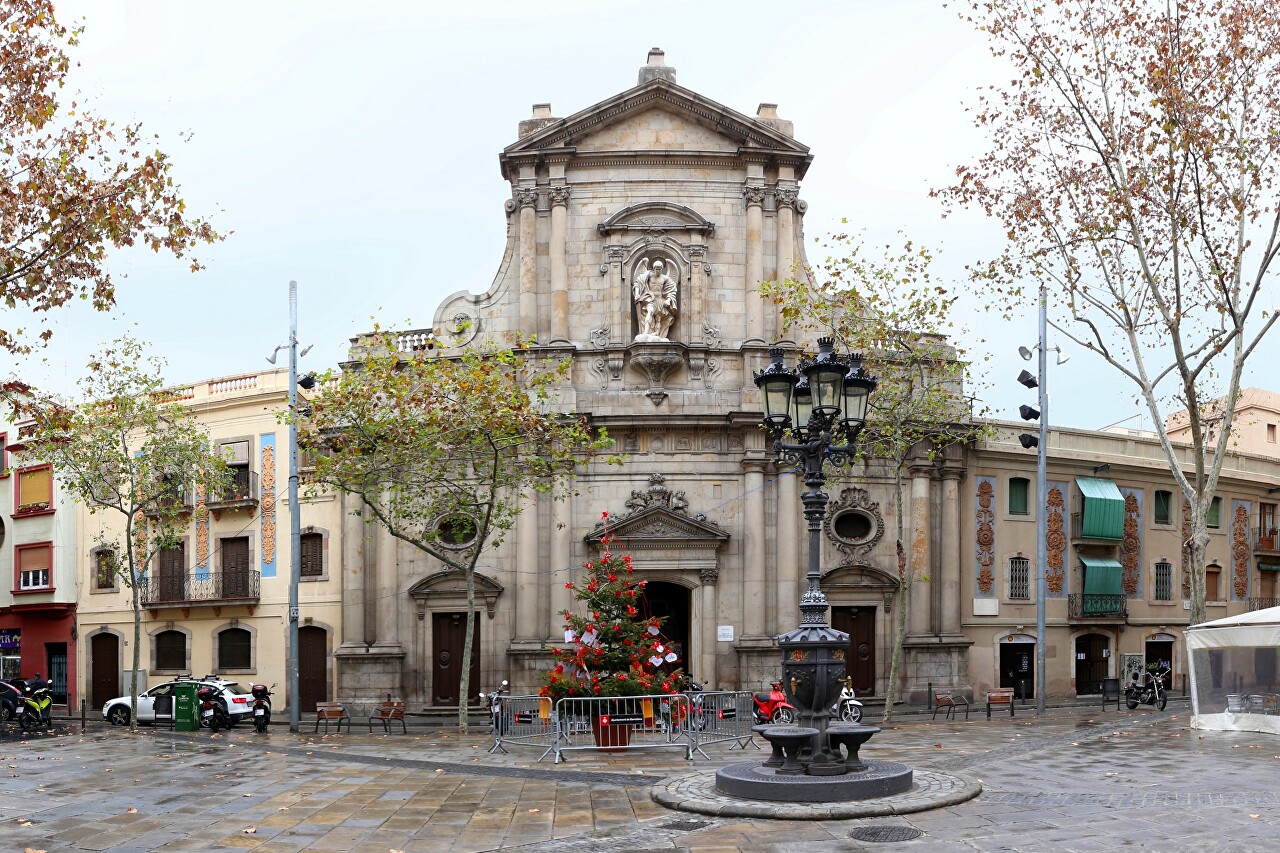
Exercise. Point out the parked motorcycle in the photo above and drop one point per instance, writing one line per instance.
(1150, 692)
(773, 707)
(261, 706)
(213, 708)
(847, 708)
(495, 707)
(35, 713)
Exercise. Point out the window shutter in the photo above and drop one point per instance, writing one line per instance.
(312, 565)
(34, 559)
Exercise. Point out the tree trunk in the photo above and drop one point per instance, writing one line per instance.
(904, 601)
(464, 683)
(137, 646)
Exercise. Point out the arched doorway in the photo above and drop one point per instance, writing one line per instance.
(313, 667)
(670, 602)
(104, 652)
(1017, 664)
(1092, 651)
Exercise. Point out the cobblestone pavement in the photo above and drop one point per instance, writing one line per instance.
(1070, 781)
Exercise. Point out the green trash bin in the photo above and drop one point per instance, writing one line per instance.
(186, 714)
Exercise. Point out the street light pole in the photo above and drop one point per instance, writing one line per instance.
(295, 526)
(1042, 499)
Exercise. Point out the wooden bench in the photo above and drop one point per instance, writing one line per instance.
(1003, 696)
(385, 713)
(950, 701)
(332, 711)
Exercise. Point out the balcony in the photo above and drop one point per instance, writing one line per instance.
(179, 501)
(1095, 606)
(240, 586)
(240, 493)
(1263, 603)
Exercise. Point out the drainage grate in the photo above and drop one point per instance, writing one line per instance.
(686, 825)
(885, 833)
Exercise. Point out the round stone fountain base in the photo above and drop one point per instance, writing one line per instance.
(752, 781)
(699, 793)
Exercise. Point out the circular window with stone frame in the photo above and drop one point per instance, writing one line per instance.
(456, 531)
(852, 526)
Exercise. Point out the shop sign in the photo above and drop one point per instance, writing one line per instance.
(10, 638)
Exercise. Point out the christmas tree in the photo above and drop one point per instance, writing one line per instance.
(612, 650)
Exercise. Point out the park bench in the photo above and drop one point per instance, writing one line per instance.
(1110, 692)
(1003, 696)
(385, 713)
(950, 701)
(331, 711)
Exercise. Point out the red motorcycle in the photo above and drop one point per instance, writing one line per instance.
(773, 707)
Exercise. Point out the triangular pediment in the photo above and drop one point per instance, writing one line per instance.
(660, 527)
(657, 129)
(659, 102)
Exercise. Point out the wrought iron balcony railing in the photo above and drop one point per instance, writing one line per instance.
(1086, 605)
(1263, 603)
(240, 491)
(237, 585)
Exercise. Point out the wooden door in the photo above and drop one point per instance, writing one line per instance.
(173, 574)
(235, 567)
(1018, 668)
(1091, 664)
(448, 630)
(104, 652)
(313, 667)
(860, 658)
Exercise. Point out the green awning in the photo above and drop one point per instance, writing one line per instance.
(1103, 509)
(1101, 577)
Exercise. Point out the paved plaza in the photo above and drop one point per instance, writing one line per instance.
(1075, 780)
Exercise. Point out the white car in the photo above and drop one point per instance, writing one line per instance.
(239, 703)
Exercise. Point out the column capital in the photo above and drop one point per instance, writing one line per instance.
(950, 472)
(786, 196)
(526, 197)
(754, 195)
(755, 464)
(560, 196)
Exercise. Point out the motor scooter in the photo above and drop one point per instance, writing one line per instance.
(261, 706)
(772, 707)
(847, 708)
(1151, 692)
(35, 709)
(495, 708)
(213, 708)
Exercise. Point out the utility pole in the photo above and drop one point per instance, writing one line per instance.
(1042, 501)
(295, 525)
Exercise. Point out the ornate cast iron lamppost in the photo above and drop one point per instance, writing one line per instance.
(814, 415)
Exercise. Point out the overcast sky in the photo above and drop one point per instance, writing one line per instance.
(354, 148)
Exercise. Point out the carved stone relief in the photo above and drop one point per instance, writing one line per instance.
(657, 495)
(1130, 547)
(854, 500)
(1055, 540)
(986, 536)
(1240, 551)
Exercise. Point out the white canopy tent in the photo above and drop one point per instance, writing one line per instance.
(1233, 666)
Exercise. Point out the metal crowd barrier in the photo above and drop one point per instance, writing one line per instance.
(523, 721)
(623, 723)
(720, 716)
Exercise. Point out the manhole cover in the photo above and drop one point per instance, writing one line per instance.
(686, 825)
(885, 833)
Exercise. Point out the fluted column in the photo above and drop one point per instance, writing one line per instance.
(754, 308)
(527, 200)
(527, 567)
(562, 564)
(789, 523)
(353, 533)
(753, 554)
(920, 616)
(784, 250)
(950, 556)
(559, 267)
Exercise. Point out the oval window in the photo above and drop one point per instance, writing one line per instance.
(852, 526)
(457, 531)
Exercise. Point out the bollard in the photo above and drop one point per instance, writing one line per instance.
(929, 685)
(83, 709)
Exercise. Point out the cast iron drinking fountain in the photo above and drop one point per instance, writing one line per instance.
(815, 760)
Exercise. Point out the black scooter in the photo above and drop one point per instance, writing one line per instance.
(213, 708)
(261, 706)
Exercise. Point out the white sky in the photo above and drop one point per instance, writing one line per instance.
(354, 147)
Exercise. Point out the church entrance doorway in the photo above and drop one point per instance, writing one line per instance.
(448, 633)
(670, 600)
(860, 658)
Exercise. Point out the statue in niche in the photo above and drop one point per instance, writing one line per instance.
(653, 289)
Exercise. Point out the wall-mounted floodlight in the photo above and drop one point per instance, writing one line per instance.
(1025, 353)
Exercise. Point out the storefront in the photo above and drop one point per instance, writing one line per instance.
(40, 638)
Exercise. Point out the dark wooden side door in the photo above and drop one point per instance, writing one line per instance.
(104, 653)
(173, 574)
(235, 567)
(860, 658)
(448, 630)
(313, 667)
(1091, 664)
(1018, 668)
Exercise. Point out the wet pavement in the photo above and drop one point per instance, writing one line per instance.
(1070, 781)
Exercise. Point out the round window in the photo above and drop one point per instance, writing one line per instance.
(457, 531)
(852, 526)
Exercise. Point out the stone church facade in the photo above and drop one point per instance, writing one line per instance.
(638, 231)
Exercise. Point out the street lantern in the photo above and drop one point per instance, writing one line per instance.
(826, 375)
(803, 397)
(857, 393)
(776, 384)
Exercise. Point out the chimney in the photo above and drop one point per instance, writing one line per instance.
(656, 68)
(768, 114)
(541, 118)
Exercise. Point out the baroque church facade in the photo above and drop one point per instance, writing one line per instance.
(638, 232)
